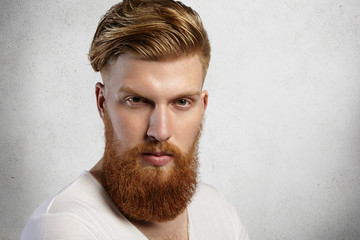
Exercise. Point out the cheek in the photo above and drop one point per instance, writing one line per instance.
(187, 131)
(129, 130)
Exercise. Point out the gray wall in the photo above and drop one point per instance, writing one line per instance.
(282, 132)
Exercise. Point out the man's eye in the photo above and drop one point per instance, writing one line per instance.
(182, 102)
(135, 99)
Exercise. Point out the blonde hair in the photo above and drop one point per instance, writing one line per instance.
(149, 30)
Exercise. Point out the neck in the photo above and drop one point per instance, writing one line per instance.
(176, 229)
(98, 173)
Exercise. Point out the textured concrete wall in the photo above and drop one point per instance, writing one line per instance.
(282, 132)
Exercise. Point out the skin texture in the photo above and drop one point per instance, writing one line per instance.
(149, 101)
(160, 85)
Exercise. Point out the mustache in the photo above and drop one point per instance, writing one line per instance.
(158, 147)
(166, 148)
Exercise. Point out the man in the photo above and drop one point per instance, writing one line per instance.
(153, 56)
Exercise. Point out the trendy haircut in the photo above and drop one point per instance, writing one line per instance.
(149, 30)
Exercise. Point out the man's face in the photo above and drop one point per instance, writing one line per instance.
(154, 101)
(152, 113)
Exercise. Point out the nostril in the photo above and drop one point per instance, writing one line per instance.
(151, 138)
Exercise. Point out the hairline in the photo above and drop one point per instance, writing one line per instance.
(105, 68)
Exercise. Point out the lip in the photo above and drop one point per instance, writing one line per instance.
(157, 158)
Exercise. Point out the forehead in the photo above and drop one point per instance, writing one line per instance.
(127, 71)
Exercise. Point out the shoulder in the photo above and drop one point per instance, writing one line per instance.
(67, 212)
(76, 195)
(208, 199)
(61, 226)
(208, 196)
(213, 216)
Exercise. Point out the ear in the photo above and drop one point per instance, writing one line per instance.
(100, 98)
(204, 100)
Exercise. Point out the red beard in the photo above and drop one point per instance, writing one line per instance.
(149, 193)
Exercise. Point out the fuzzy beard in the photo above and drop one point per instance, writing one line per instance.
(149, 193)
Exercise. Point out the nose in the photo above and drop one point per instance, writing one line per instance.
(159, 124)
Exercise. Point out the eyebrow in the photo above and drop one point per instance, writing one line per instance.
(143, 94)
(130, 90)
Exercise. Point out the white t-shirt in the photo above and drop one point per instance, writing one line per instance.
(84, 210)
